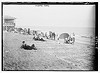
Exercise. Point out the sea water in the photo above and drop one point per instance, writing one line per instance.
(82, 31)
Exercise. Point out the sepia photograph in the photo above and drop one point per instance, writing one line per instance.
(49, 36)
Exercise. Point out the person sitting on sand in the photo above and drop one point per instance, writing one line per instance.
(27, 47)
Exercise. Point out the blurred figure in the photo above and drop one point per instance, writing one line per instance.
(72, 38)
(27, 47)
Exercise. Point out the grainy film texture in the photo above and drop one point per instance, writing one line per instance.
(49, 37)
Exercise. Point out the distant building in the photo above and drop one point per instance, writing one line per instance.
(8, 23)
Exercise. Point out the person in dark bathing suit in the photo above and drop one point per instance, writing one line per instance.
(27, 47)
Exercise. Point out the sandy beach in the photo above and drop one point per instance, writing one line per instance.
(50, 55)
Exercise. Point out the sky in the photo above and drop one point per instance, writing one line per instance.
(52, 15)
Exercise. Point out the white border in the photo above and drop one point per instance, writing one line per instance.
(55, 1)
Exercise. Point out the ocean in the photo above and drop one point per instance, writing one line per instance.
(81, 31)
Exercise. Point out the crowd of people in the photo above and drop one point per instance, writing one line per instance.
(42, 36)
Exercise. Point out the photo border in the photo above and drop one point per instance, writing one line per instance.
(53, 3)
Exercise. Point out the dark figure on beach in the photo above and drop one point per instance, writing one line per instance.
(29, 31)
(52, 35)
(38, 38)
(27, 47)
